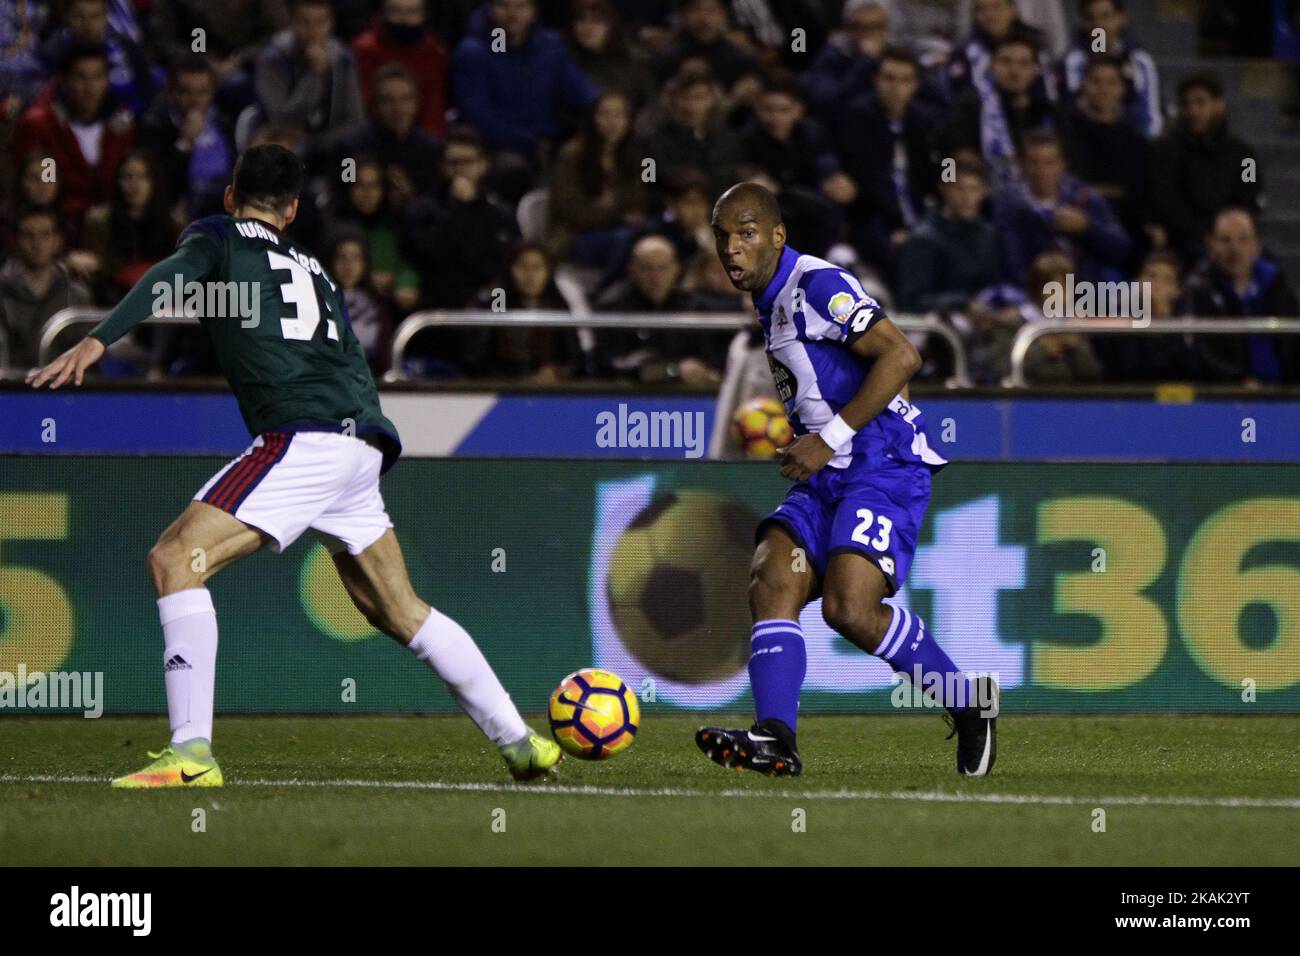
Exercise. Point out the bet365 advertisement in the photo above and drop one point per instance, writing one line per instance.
(1093, 587)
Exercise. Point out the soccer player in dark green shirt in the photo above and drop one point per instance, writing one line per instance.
(280, 330)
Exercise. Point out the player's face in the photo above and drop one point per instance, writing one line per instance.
(1014, 68)
(87, 86)
(748, 248)
(1103, 89)
(995, 17)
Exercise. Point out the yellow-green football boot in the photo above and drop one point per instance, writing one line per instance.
(531, 756)
(189, 764)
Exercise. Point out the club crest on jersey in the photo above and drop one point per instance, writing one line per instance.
(843, 307)
(783, 378)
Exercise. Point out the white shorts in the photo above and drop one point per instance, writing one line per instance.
(287, 482)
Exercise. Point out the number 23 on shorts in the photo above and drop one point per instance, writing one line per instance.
(869, 521)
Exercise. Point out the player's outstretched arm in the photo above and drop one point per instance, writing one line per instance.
(193, 259)
(71, 365)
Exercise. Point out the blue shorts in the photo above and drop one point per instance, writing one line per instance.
(875, 511)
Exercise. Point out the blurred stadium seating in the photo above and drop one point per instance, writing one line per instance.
(528, 157)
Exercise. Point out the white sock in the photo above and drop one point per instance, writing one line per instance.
(452, 654)
(189, 624)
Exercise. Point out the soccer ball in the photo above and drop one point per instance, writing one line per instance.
(679, 583)
(594, 715)
(759, 428)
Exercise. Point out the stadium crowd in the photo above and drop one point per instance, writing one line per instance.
(565, 154)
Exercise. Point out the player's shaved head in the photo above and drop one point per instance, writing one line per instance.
(749, 235)
(752, 203)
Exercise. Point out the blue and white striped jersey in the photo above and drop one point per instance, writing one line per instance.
(812, 312)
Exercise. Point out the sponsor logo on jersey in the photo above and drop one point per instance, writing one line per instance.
(908, 411)
(786, 384)
(861, 318)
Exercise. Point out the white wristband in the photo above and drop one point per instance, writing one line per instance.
(836, 433)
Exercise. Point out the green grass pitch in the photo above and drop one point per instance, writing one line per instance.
(878, 790)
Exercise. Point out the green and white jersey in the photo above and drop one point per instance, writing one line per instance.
(278, 324)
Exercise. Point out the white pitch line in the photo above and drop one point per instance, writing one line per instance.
(932, 796)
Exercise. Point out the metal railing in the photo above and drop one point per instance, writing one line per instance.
(1033, 331)
(692, 322)
(72, 316)
(419, 321)
(715, 322)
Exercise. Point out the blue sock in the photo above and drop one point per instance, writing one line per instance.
(911, 651)
(777, 664)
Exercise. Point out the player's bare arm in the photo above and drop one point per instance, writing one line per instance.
(191, 261)
(70, 366)
(895, 362)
